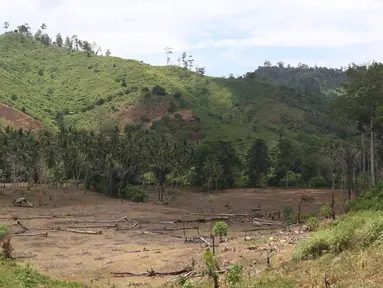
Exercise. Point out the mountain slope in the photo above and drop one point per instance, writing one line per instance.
(94, 90)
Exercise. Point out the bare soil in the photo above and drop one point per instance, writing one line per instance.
(16, 118)
(90, 259)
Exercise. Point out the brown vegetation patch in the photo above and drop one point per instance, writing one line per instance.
(18, 119)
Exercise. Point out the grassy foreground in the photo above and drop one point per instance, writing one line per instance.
(15, 276)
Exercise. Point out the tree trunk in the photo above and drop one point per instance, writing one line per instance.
(364, 154)
(287, 179)
(372, 158)
(215, 279)
(86, 179)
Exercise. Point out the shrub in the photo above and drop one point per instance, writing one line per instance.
(41, 71)
(100, 101)
(369, 200)
(287, 212)
(177, 95)
(14, 97)
(123, 83)
(23, 109)
(312, 224)
(144, 118)
(318, 182)
(325, 211)
(3, 231)
(172, 106)
(7, 248)
(220, 229)
(165, 119)
(134, 193)
(358, 230)
(233, 275)
(158, 90)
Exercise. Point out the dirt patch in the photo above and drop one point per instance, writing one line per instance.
(91, 258)
(16, 118)
(134, 113)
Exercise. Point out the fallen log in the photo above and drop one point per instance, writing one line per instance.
(44, 217)
(177, 229)
(31, 234)
(205, 241)
(202, 220)
(152, 273)
(95, 226)
(221, 214)
(160, 233)
(98, 221)
(262, 228)
(77, 231)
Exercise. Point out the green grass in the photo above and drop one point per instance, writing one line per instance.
(46, 80)
(15, 276)
(370, 200)
(357, 230)
(3, 231)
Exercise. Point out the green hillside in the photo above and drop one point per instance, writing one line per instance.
(45, 81)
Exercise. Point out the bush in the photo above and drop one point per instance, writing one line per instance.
(3, 231)
(41, 71)
(220, 229)
(358, 230)
(158, 90)
(123, 83)
(318, 182)
(144, 118)
(100, 101)
(325, 211)
(312, 224)
(233, 275)
(287, 212)
(177, 95)
(134, 193)
(370, 200)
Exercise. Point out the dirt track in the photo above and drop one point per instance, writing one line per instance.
(92, 258)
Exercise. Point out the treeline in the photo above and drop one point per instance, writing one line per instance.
(118, 164)
(71, 43)
(315, 80)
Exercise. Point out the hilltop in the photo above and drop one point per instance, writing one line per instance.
(47, 82)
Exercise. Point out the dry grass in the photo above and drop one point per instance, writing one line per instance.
(90, 258)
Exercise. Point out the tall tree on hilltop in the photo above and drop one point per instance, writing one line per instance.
(168, 52)
(24, 29)
(108, 53)
(43, 26)
(59, 40)
(258, 162)
(6, 26)
(68, 43)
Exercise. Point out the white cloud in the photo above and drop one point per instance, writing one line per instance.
(142, 28)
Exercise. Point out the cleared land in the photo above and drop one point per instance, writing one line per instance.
(140, 242)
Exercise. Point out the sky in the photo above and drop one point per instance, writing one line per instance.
(225, 36)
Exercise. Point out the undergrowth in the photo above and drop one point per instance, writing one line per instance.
(357, 230)
(370, 200)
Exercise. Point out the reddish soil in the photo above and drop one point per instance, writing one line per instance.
(90, 259)
(16, 118)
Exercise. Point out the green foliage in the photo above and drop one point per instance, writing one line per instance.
(318, 182)
(288, 212)
(325, 211)
(357, 230)
(158, 90)
(220, 229)
(369, 200)
(212, 265)
(3, 231)
(312, 224)
(16, 276)
(134, 193)
(258, 162)
(233, 276)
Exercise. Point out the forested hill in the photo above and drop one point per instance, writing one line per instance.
(64, 80)
(304, 79)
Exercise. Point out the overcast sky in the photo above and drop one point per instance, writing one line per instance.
(226, 36)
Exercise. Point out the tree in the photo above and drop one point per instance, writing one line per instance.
(59, 40)
(43, 26)
(6, 26)
(24, 29)
(284, 157)
(168, 52)
(68, 43)
(108, 53)
(87, 48)
(220, 229)
(38, 35)
(258, 162)
(184, 61)
(165, 155)
(46, 40)
(361, 101)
